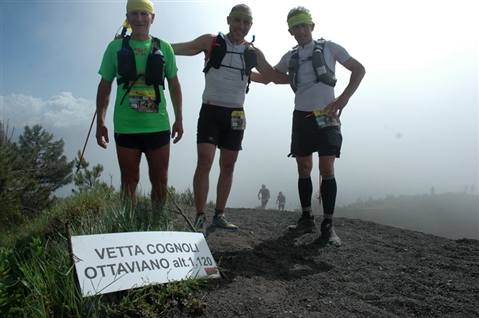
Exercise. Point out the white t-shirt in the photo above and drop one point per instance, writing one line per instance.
(226, 86)
(319, 95)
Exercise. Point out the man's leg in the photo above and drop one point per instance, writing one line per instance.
(306, 222)
(158, 161)
(129, 161)
(225, 180)
(327, 185)
(305, 185)
(201, 184)
(206, 155)
(328, 193)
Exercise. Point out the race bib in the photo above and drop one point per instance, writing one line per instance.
(238, 120)
(323, 119)
(142, 102)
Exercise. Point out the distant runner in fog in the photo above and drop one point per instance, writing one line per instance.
(281, 201)
(263, 195)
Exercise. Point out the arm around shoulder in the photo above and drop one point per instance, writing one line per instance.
(258, 78)
(200, 44)
(268, 72)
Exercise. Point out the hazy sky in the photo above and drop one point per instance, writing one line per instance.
(412, 124)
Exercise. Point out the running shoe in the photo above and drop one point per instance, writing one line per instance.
(222, 222)
(305, 224)
(200, 224)
(328, 234)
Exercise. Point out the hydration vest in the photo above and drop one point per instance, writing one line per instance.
(154, 73)
(218, 51)
(321, 70)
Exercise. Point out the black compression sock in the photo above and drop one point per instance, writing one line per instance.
(329, 190)
(305, 188)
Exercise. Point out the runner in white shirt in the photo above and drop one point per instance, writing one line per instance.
(229, 60)
(316, 125)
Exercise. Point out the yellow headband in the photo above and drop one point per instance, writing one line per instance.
(140, 5)
(241, 15)
(302, 18)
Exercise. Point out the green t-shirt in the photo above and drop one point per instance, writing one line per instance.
(127, 120)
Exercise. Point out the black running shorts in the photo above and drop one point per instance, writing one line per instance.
(144, 142)
(214, 127)
(307, 137)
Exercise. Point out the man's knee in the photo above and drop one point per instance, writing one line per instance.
(304, 170)
(203, 167)
(326, 171)
(205, 162)
(227, 168)
(326, 166)
(159, 175)
(228, 161)
(305, 166)
(130, 179)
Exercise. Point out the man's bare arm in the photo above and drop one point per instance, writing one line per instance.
(258, 78)
(266, 70)
(198, 45)
(177, 101)
(102, 101)
(357, 73)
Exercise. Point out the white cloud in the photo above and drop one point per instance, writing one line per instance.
(64, 110)
(60, 111)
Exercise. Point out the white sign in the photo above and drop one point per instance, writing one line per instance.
(112, 262)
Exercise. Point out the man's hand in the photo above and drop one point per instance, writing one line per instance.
(102, 136)
(336, 108)
(177, 131)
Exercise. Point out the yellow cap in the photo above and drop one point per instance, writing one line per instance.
(140, 5)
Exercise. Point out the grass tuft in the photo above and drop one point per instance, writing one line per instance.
(37, 277)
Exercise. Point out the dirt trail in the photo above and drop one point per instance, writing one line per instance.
(380, 271)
